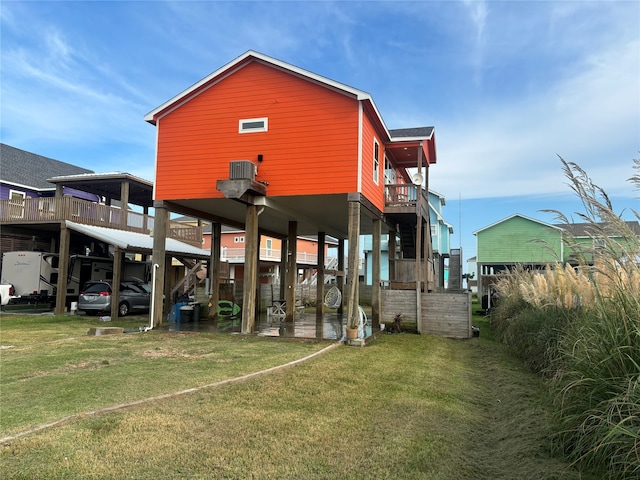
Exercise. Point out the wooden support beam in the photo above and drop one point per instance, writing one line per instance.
(340, 278)
(282, 280)
(292, 272)
(419, 241)
(250, 270)
(320, 277)
(124, 204)
(352, 279)
(335, 273)
(63, 270)
(214, 270)
(118, 260)
(392, 255)
(375, 274)
(427, 270)
(166, 274)
(159, 258)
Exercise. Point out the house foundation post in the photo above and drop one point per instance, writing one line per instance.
(159, 258)
(124, 204)
(63, 270)
(282, 274)
(375, 274)
(340, 276)
(292, 272)
(320, 284)
(418, 266)
(214, 271)
(419, 236)
(118, 258)
(250, 270)
(428, 271)
(393, 247)
(353, 274)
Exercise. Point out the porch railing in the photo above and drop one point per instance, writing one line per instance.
(401, 195)
(58, 209)
(236, 255)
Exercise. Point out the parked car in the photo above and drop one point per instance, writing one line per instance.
(95, 297)
(7, 292)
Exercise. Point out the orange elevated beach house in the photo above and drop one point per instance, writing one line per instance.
(273, 149)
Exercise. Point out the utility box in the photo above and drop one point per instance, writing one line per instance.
(242, 169)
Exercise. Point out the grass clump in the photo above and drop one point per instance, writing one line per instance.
(579, 325)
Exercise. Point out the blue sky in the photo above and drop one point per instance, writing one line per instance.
(509, 86)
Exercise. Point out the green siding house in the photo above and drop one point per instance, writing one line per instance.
(519, 240)
(516, 240)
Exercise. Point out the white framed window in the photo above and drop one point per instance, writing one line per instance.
(389, 172)
(238, 240)
(376, 161)
(16, 203)
(250, 125)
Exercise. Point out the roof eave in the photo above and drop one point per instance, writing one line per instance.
(239, 62)
(27, 187)
(100, 176)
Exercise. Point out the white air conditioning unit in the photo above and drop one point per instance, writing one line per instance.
(242, 169)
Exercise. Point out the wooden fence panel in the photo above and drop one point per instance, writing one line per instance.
(447, 314)
(399, 301)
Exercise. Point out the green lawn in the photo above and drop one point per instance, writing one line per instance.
(405, 407)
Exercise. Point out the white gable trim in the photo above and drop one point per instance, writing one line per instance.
(238, 63)
(521, 216)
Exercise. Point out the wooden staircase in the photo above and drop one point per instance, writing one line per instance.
(187, 285)
(407, 235)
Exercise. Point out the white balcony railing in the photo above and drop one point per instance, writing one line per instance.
(236, 255)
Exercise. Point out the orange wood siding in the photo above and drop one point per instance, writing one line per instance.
(374, 193)
(311, 146)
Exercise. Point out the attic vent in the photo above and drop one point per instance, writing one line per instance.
(249, 125)
(241, 169)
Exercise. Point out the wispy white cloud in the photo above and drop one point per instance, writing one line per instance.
(508, 85)
(477, 10)
(59, 93)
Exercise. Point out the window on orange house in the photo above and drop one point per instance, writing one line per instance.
(250, 125)
(376, 161)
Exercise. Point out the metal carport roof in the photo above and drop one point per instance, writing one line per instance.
(138, 242)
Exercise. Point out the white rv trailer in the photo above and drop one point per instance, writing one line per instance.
(34, 275)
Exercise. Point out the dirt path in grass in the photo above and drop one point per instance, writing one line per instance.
(509, 438)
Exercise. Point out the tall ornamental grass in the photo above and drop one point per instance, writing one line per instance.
(580, 327)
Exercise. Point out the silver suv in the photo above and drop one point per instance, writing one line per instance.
(95, 297)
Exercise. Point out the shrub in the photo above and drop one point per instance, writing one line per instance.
(533, 335)
(580, 325)
(596, 391)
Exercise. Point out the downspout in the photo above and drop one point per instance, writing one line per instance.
(419, 241)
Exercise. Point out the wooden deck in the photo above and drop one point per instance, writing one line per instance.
(401, 198)
(59, 209)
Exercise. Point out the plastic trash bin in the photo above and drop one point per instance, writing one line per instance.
(174, 313)
(197, 308)
(186, 313)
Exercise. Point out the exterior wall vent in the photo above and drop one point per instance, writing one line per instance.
(242, 169)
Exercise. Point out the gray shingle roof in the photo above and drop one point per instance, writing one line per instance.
(411, 132)
(587, 229)
(32, 170)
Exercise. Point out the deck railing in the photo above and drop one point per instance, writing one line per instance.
(402, 195)
(236, 255)
(58, 209)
